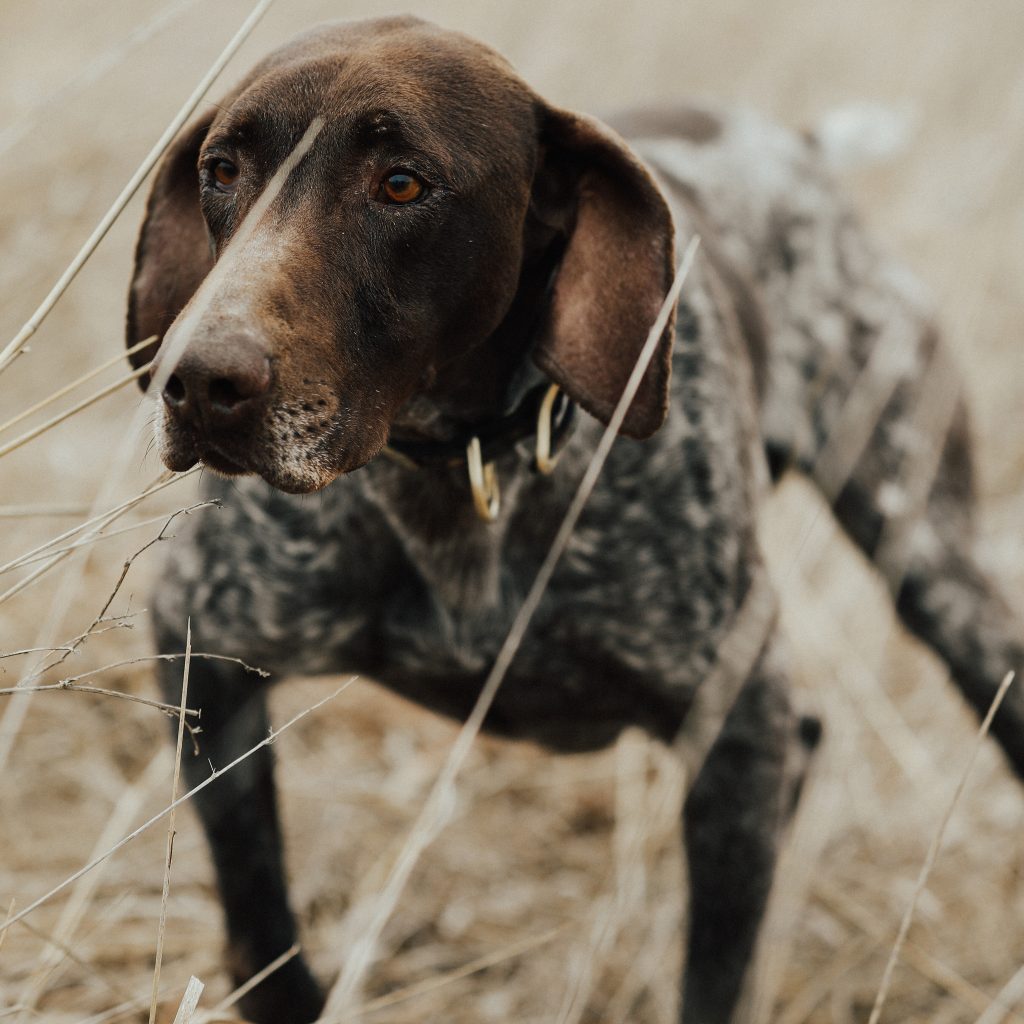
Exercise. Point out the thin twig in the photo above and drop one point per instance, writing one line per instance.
(263, 673)
(145, 826)
(18, 342)
(165, 891)
(168, 709)
(933, 852)
(125, 569)
(116, 622)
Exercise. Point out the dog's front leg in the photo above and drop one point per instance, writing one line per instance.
(239, 815)
(732, 823)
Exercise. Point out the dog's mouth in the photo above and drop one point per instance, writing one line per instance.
(181, 449)
(302, 473)
(220, 463)
(290, 451)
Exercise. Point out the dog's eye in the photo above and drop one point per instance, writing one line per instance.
(401, 187)
(225, 174)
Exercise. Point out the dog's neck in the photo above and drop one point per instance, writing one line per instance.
(430, 508)
(490, 380)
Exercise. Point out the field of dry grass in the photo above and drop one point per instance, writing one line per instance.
(562, 873)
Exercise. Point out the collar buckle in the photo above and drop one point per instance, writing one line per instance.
(483, 482)
(544, 458)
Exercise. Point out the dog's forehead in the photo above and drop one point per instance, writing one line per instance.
(422, 75)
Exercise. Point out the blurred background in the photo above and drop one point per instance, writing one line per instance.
(563, 873)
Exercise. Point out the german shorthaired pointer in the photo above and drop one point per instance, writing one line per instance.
(451, 246)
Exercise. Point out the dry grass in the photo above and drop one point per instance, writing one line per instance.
(557, 879)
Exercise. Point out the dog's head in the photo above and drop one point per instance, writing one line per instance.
(445, 224)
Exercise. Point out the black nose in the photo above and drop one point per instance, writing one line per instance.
(218, 384)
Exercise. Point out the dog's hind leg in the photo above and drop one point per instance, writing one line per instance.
(908, 504)
(239, 814)
(733, 819)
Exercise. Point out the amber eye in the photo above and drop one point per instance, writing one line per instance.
(401, 187)
(225, 174)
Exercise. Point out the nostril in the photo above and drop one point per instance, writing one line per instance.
(174, 390)
(225, 393)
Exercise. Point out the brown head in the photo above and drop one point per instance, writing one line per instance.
(445, 225)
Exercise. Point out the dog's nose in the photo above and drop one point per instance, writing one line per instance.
(220, 383)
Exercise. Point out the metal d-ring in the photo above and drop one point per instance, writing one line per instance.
(543, 458)
(483, 481)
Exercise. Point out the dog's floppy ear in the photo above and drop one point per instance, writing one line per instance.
(172, 255)
(614, 274)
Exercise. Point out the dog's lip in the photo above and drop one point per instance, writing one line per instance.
(217, 460)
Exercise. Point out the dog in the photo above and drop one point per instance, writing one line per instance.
(455, 280)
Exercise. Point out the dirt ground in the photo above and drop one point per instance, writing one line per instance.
(564, 872)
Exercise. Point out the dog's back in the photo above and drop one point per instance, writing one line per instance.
(856, 387)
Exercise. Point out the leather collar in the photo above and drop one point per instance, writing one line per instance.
(497, 435)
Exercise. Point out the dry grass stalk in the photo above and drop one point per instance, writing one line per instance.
(10, 912)
(165, 891)
(838, 457)
(24, 560)
(189, 1001)
(807, 999)
(207, 1016)
(25, 582)
(933, 852)
(28, 119)
(800, 856)
(14, 714)
(924, 963)
(67, 953)
(68, 388)
(103, 518)
(145, 826)
(438, 805)
(483, 963)
(77, 906)
(734, 661)
(921, 961)
(932, 419)
(826, 636)
(42, 511)
(101, 616)
(174, 342)
(18, 342)
(42, 428)
(50, 559)
(638, 805)
(1009, 996)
